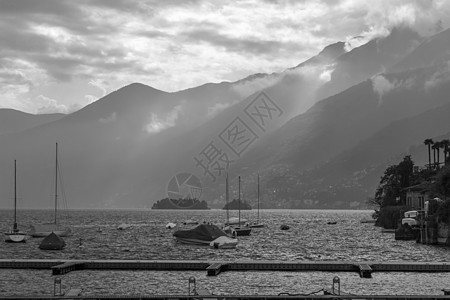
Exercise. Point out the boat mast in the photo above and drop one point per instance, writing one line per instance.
(239, 204)
(226, 198)
(56, 181)
(258, 198)
(15, 198)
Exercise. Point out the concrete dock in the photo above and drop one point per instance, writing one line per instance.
(214, 268)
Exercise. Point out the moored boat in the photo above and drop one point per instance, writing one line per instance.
(15, 235)
(52, 242)
(224, 242)
(43, 230)
(203, 234)
(257, 224)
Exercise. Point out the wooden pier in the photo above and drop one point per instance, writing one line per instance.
(213, 268)
(365, 271)
(234, 297)
(67, 267)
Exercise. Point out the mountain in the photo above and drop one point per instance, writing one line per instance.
(433, 51)
(128, 144)
(374, 57)
(12, 121)
(308, 147)
(101, 143)
(122, 150)
(357, 171)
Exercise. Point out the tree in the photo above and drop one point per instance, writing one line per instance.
(439, 146)
(429, 142)
(392, 184)
(434, 147)
(442, 182)
(445, 144)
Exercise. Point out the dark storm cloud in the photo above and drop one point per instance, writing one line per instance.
(240, 45)
(20, 39)
(19, 8)
(65, 14)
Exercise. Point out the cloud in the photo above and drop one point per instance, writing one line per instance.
(99, 85)
(46, 105)
(175, 45)
(325, 76)
(439, 77)
(256, 83)
(218, 107)
(157, 124)
(240, 44)
(379, 17)
(383, 86)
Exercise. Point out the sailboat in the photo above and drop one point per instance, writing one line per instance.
(43, 230)
(241, 230)
(257, 224)
(15, 236)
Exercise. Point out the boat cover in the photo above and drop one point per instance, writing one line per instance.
(224, 242)
(52, 242)
(203, 232)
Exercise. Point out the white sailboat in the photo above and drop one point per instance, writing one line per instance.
(241, 230)
(43, 230)
(15, 236)
(257, 224)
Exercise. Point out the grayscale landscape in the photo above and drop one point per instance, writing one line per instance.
(120, 117)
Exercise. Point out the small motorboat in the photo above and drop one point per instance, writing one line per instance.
(203, 234)
(190, 222)
(171, 225)
(124, 226)
(224, 242)
(284, 227)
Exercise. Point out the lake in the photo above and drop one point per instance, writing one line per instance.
(310, 238)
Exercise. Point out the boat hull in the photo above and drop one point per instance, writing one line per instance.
(257, 226)
(45, 230)
(192, 241)
(15, 237)
(242, 231)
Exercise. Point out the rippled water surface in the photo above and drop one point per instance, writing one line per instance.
(310, 238)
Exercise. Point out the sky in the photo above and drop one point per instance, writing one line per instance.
(59, 56)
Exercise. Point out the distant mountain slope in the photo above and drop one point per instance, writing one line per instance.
(374, 57)
(434, 50)
(129, 143)
(357, 171)
(12, 121)
(341, 122)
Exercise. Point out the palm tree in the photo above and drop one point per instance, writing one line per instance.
(429, 142)
(434, 147)
(445, 144)
(439, 145)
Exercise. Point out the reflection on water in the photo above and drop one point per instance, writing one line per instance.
(310, 237)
